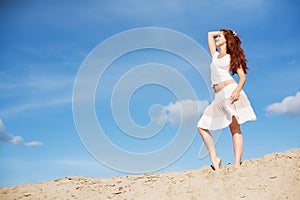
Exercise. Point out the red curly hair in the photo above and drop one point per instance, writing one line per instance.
(234, 49)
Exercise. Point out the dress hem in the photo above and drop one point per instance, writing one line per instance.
(228, 123)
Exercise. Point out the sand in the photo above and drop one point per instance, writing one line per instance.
(274, 176)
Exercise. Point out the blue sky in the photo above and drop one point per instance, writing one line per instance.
(44, 43)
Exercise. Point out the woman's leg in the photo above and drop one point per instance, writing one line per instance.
(210, 145)
(237, 139)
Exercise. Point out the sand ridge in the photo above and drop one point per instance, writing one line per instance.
(274, 176)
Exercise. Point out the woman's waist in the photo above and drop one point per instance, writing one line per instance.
(219, 86)
(220, 77)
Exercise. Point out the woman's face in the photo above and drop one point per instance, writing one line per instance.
(220, 40)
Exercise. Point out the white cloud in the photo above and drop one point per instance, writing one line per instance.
(184, 111)
(9, 138)
(33, 143)
(6, 137)
(289, 106)
(16, 139)
(2, 127)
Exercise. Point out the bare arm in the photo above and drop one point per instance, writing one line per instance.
(211, 41)
(236, 93)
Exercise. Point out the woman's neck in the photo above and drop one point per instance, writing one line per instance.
(223, 50)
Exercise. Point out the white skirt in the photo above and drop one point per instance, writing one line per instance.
(219, 113)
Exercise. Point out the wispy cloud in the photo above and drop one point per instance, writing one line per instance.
(288, 106)
(34, 90)
(149, 11)
(182, 112)
(146, 8)
(34, 105)
(33, 143)
(7, 137)
(78, 163)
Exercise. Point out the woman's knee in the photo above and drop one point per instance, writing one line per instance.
(202, 131)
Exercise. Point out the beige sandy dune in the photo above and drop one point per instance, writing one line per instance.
(274, 176)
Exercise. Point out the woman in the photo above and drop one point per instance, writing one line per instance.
(230, 106)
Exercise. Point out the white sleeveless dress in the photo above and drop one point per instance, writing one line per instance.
(219, 113)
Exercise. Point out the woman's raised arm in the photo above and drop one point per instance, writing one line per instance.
(211, 41)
